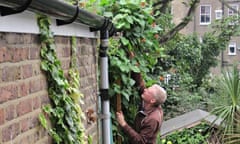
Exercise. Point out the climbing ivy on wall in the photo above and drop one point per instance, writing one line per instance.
(63, 111)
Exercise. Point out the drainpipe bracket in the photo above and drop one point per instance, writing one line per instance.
(64, 22)
(9, 11)
(104, 92)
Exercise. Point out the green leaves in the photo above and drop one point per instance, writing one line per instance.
(121, 22)
(124, 41)
(43, 121)
(228, 110)
(44, 65)
(231, 84)
(65, 113)
(138, 29)
(194, 135)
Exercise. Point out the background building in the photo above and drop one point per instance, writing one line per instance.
(205, 14)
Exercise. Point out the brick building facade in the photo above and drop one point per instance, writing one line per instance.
(23, 86)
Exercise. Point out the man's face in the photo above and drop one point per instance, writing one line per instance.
(147, 95)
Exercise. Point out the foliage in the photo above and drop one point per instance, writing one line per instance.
(138, 36)
(189, 61)
(228, 109)
(141, 28)
(64, 112)
(195, 135)
(182, 101)
(90, 5)
(226, 28)
(190, 58)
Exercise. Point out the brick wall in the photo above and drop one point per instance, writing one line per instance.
(23, 86)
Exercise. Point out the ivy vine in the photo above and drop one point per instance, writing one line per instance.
(64, 111)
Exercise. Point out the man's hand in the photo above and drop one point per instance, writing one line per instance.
(120, 118)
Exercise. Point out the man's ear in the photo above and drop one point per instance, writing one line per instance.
(153, 101)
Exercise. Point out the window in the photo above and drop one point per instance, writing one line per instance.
(205, 14)
(218, 14)
(232, 48)
(233, 10)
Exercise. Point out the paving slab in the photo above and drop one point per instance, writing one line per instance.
(187, 120)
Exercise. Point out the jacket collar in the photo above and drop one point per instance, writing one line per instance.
(148, 111)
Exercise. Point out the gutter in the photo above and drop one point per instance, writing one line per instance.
(63, 12)
(66, 14)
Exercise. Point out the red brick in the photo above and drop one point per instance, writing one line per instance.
(8, 92)
(2, 116)
(27, 38)
(36, 103)
(2, 41)
(65, 64)
(45, 99)
(14, 38)
(25, 53)
(4, 54)
(11, 73)
(28, 79)
(86, 41)
(36, 69)
(25, 124)
(10, 132)
(34, 121)
(44, 84)
(14, 90)
(27, 71)
(19, 54)
(10, 112)
(23, 89)
(66, 52)
(24, 107)
(4, 95)
(1, 75)
(34, 52)
(1, 54)
(35, 85)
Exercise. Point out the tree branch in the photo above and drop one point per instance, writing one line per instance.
(181, 25)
